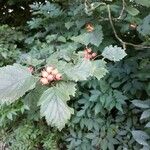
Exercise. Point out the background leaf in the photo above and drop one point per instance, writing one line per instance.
(94, 37)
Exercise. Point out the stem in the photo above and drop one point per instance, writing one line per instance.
(118, 38)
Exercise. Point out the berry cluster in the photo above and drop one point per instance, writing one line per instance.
(49, 75)
(89, 27)
(88, 54)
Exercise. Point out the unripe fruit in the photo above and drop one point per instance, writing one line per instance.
(55, 71)
(94, 54)
(44, 81)
(49, 69)
(50, 77)
(44, 74)
(58, 76)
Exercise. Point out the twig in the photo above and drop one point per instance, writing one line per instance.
(117, 37)
(122, 11)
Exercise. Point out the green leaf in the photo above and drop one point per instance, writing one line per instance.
(15, 81)
(132, 11)
(141, 104)
(143, 2)
(114, 53)
(53, 104)
(140, 137)
(148, 125)
(94, 37)
(69, 24)
(81, 71)
(144, 28)
(145, 114)
(99, 69)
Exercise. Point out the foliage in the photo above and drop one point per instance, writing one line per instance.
(9, 44)
(96, 102)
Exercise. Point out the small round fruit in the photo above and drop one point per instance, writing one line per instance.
(94, 54)
(58, 76)
(55, 71)
(133, 26)
(89, 50)
(44, 81)
(50, 77)
(30, 69)
(44, 74)
(89, 27)
(49, 69)
(89, 56)
(85, 52)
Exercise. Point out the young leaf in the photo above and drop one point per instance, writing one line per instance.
(53, 104)
(114, 53)
(94, 37)
(15, 81)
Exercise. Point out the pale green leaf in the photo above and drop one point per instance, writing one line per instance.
(53, 104)
(94, 37)
(114, 53)
(99, 69)
(81, 71)
(15, 81)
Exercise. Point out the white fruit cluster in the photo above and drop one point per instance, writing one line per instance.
(49, 75)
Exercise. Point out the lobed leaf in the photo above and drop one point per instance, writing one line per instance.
(53, 104)
(114, 53)
(15, 81)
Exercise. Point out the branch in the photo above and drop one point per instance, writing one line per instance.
(122, 11)
(117, 37)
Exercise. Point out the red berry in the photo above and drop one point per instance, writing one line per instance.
(55, 71)
(50, 77)
(94, 54)
(44, 74)
(44, 81)
(58, 76)
(49, 69)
